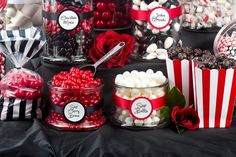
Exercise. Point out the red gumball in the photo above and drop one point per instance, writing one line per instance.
(111, 23)
(100, 24)
(97, 15)
(101, 6)
(118, 14)
(111, 6)
(106, 15)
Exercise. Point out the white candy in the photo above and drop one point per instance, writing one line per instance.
(149, 71)
(149, 26)
(153, 5)
(168, 42)
(151, 48)
(162, 1)
(143, 6)
(152, 97)
(135, 7)
(139, 22)
(134, 73)
(137, 2)
(177, 27)
(121, 118)
(129, 121)
(165, 29)
(154, 112)
(126, 74)
(125, 113)
(155, 120)
(135, 93)
(138, 33)
(11, 12)
(138, 122)
(151, 56)
(147, 92)
(155, 31)
(148, 121)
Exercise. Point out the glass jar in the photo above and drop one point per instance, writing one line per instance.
(111, 14)
(156, 27)
(68, 28)
(198, 14)
(76, 108)
(139, 107)
(21, 14)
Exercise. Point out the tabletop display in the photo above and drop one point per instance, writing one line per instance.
(77, 39)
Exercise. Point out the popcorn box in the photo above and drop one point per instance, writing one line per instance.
(214, 96)
(180, 75)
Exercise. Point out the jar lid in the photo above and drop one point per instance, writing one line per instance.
(23, 1)
(225, 40)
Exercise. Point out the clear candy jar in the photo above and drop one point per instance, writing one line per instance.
(111, 14)
(139, 106)
(199, 14)
(68, 28)
(21, 14)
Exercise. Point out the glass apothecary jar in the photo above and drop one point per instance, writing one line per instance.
(111, 14)
(68, 28)
(21, 14)
(139, 106)
(76, 108)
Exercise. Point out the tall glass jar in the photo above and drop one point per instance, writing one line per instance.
(156, 27)
(111, 14)
(68, 28)
(22, 14)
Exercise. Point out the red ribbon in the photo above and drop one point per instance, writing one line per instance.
(143, 14)
(125, 104)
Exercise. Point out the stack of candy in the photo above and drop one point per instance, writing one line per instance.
(138, 98)
(199, 14)
(214, 78)
(156, 28)
(179, 68)
(68, 28)
(111, 13)
(76, 99)
(23, 14)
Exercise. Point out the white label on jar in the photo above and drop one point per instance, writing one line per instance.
(74, 111)
(141, 108)
(68, 20)
(159, 18)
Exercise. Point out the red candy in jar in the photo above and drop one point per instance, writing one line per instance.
(108, 13)
(68, 28)
(76, 100)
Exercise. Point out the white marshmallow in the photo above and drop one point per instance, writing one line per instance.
(148, 122)
(138, 122)
(153, 5)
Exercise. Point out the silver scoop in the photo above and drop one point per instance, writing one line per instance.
(112, 52)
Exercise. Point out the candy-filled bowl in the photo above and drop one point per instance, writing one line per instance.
(76, 105)
(138, 99)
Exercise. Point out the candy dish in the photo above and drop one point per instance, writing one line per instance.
(138, 98)
(76, 101)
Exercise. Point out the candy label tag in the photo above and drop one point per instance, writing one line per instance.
(159, 18)
(68, 20)
(74, 111)
(141, 108)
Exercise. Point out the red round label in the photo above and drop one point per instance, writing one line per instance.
(159, 18)
(141, 108)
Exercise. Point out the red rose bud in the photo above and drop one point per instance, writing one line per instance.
(104, 42)
(185, 117)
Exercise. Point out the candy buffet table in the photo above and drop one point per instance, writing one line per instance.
(37, 139)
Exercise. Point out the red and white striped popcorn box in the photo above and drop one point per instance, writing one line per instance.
(214, 96)
(180, 76)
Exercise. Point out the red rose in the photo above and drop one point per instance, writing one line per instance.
(185, 117)
(104, 42)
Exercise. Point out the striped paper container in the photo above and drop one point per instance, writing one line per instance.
(20, 109)
(214, 96)
(180, 75)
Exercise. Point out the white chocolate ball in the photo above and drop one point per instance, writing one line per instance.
(138, 122)
(148, 121)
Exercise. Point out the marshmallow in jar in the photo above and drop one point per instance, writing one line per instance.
(110, 14)
(22, 14)
(156, 27)
(198, 14)
(138, 98)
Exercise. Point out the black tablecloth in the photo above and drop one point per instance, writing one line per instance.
(37, 139)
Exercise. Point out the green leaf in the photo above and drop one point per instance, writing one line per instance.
(165, 112)
(180, 129)
(175, 98)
